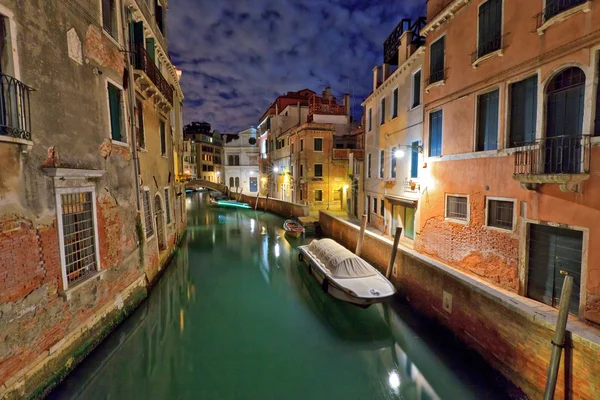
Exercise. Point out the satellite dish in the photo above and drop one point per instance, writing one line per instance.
(252, 141)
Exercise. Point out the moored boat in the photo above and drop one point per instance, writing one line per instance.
(345, 275)
(293, 228)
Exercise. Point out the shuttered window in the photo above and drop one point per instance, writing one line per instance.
(318, 144)
(148, 215)
(523, 112)
(382, 112)
(168, 206)
(435, 133)
(318, 170)
(555, 7)
(382, 208)
(457, 207)
(381, 163)
(109, 17)
(490, 27)
(393, 162)
(416, 89)
(395, 103)
(487, 121)
(374, 205)
(115, 103)
(163, 139)
(370, 119)
(414, 160)
(139, 124)
(151, 48)
(597, 120)
(436, 61)
(369, 165)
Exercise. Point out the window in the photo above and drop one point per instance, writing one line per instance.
(301, 194)
(292, 171)
(109, 17)
(337, 195)
(231, 182)
(487, 121)
(369, 165)
(148, 215)
(457, 207)
(292, 148)
(230, 160)
(489, 37)
(381, 161)
(318, 170)
(168, 205)
(115, 106)
(237, 181)
(139, 124)
(414, 160)
(374, 205)
(555, 7)
(416, 89)
(382, 112)
(597, 120)
(436, 61)
(163, 138)
(523, 112)
(318, 143)
(77, 226)
(500, 213)
(370, 121)
(382, 208)
(301, 170)
(301, 144)
(395, 103)
(236, 160)
(435, 133)
(318, 195)
(159, 16)
(393, 162)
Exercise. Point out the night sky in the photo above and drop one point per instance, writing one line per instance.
(237, 56)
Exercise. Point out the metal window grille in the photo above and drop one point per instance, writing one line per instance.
(167, 206)
(500, 214)
(148, 215)
(456, 207)
(78, 235)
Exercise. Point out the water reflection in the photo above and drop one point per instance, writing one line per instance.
(236, 316)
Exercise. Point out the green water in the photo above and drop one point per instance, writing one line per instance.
(236, 316)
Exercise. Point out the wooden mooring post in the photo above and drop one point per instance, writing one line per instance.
(558, 342)
(388, 273)
(361, 236)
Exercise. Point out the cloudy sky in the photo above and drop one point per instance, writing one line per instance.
(237, 56)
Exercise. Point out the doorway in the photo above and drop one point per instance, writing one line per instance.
(253, 184)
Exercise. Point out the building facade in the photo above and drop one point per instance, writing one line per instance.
(91, 206)
(207, 152)
(511, 145)
(240, 156)
(394, 129)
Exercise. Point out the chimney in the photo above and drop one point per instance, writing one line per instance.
(376, 74)
(386, 71)
(347, 104)
(327, 93)
(406, 48)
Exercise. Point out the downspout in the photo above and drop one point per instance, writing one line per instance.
(131, 93)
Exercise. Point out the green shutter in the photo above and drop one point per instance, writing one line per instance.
(435, 134)
(487, 121)
(150, 48)
(414, 160)
(523, 111)
(114, 100)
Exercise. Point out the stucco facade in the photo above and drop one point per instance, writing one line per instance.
(240, 155)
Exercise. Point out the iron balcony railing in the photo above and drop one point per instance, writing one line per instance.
(15, 115)
(436, 77)
(144, 62)
(554, 155)
(487, 48)
(555, 7)
(390, 46)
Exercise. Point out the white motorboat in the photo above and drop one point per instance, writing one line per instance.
(345, 275)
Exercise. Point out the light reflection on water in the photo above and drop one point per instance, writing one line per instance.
(236, 316)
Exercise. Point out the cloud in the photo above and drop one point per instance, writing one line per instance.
(237, 56)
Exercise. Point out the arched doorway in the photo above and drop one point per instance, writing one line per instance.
(159, 219)
(564, 122)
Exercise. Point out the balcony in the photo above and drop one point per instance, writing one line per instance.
(320, 105)
(562, 160)
(15, 115)
(557, 10)
(390, 46)
(486, 50)
(435, 78)
(151, 80)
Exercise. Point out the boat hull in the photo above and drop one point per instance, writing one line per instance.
(294, 234)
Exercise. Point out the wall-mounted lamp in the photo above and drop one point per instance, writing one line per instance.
(400, 153)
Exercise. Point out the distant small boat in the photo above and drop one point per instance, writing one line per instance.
(345, 275)
(293, 228)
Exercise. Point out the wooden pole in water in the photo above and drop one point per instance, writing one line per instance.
(559, 337)
(388, 273)
(361, 236)
(256, 204)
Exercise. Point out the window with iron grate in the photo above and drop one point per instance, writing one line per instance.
(148, 215)
(457, 207)
(500, 213)
(167, 206)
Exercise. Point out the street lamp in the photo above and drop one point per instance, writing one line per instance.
(275, 169)
(400, 153)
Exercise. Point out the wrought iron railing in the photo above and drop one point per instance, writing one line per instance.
(487, 48)
(143, 62)
(436, 77)
(390, 46)
(555, 7)
(554, 155)
(15, 115)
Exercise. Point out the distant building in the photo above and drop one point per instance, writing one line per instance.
(240, 155)
(205, 152)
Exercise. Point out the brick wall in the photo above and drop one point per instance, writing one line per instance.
(495, 323)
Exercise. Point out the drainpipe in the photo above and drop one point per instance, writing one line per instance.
(131, 93)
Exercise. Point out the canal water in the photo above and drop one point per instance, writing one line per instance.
(236, 316)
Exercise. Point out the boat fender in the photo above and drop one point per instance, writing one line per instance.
(325, 285)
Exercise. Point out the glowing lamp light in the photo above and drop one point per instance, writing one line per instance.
(275, 169)
(251, 172)
(218, 172)
(399, 154)
(394, 380)
(346, 187)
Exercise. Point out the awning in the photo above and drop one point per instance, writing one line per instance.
(403, 201)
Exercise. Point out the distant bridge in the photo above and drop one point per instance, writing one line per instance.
(196, 184)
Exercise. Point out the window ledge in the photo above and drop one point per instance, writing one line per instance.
(119, 143)
(112, 39)
(415, 107)
(73, 173)
(69, 292)
(26, 145)
(495, 228)
(486, 57)
(585, 7)
(434, 84)
(457, 221)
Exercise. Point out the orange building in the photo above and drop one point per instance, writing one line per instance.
(511, 136)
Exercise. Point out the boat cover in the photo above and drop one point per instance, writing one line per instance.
(341, 262)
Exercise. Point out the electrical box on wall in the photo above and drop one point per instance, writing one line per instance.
(447, 302)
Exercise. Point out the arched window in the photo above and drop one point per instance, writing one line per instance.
(237, 182)
(230, 160)
(564, 121)
(237, 160)
(231, 180)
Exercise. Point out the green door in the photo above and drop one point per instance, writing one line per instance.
(553, 253)
(409, 222)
